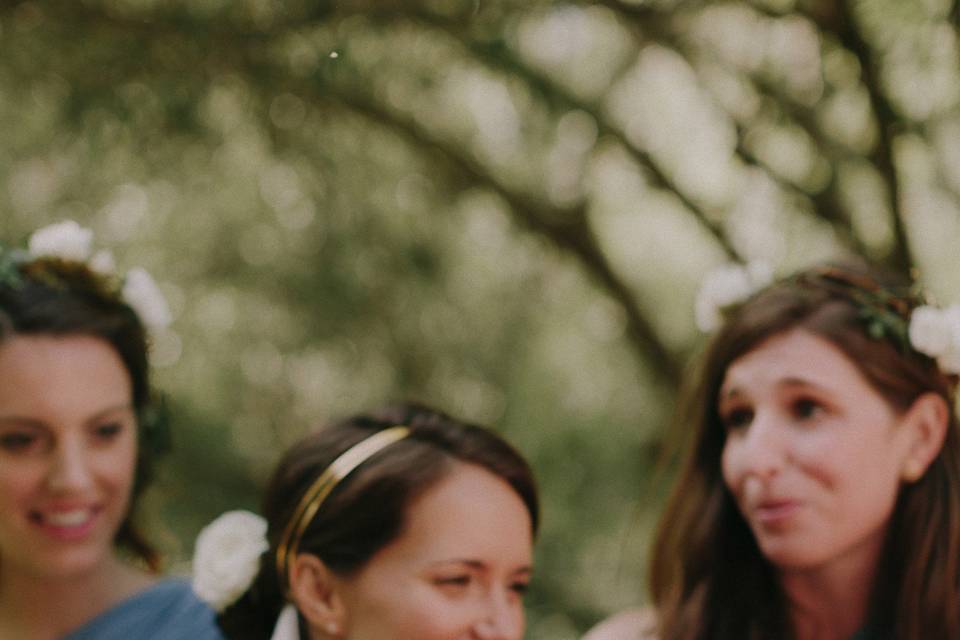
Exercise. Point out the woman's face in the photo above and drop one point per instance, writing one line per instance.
(68, 443)
(458, 571)
(813, 454)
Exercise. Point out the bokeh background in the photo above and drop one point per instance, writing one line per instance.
(502, 208)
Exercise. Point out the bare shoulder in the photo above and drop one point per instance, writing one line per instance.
(632, 624)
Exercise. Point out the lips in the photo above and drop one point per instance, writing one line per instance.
(68, 523)
(775, 511)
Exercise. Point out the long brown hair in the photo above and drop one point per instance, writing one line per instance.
(366, 510)
(708, 578)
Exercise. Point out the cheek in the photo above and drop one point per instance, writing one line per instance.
(412, 611)
(17, 484)
(117, 467)
(729, 464)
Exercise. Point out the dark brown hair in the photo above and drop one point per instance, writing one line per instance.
(708, 578)
(63, 298)
(367, 509)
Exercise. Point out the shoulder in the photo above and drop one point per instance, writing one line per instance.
(168, 610)
(632, 624)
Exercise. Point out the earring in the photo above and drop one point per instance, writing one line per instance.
(332, 628)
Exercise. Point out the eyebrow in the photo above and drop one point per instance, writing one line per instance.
(14, 419)
(477, 564)
(792, 381)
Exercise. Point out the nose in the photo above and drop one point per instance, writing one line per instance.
(502, 619)
(70, 467)
(763, 450)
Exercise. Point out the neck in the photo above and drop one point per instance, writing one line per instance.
(829, 603)
(27, 600)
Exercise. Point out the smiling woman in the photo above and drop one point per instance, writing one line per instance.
(401, 525)
(820, 496)
(76, 449)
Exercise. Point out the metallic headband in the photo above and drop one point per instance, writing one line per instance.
(314, 496)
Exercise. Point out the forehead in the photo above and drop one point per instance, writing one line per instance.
(470, 514)
(75, 372)
(794, 356)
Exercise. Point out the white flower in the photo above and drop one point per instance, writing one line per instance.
(103, 263)
(227, 557)
(725, 286)
(66, 240)
(930, 331)
(142, 293)
(936, 333)
(288, 625)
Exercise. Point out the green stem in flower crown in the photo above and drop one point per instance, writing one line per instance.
(10, 260)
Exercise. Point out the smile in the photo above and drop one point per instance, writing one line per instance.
(68, 524)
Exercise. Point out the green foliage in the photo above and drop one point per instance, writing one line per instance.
(502, 208)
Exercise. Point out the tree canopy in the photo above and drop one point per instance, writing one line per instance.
(502, 208)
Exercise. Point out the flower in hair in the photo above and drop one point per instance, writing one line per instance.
(66, 240)
(141, 292)
(226, 557)
(936, 333)
(69, 241)
(726, 286)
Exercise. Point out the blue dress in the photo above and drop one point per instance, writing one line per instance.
(168, 610)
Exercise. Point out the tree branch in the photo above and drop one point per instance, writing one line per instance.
(566, 228)
(843, 26)
(502, 59)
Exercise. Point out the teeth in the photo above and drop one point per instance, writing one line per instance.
(68, 518)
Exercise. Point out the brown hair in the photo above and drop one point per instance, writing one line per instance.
(48, 296)
(367, 509)
(708, 578)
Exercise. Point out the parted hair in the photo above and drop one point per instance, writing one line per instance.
(367, 509)
(708, 578)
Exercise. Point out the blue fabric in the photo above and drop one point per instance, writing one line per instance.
(167, 611)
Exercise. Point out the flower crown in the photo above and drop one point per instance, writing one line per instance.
(70, 243)
(900, 316)
(228, 552)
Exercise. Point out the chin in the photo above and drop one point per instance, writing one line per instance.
(790, 555)
(75, 563)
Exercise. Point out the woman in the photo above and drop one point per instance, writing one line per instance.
(78, 437)
(403, 525)
(819, 497)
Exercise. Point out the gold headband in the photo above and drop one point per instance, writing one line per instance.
(314, 496)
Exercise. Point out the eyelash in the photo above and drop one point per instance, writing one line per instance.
(802, 408)
(108, 431)
(805, 408)
(736, 418)
(16, 442)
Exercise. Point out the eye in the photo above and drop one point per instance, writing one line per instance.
(520, 587)
(108, 431)
(18, 441)
(460, 585)
(806, 408)
(454, 581)
(736, 418)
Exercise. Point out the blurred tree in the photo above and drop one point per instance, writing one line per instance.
(500, 207)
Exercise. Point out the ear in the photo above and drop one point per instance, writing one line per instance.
(313, 589)
(926, 423)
